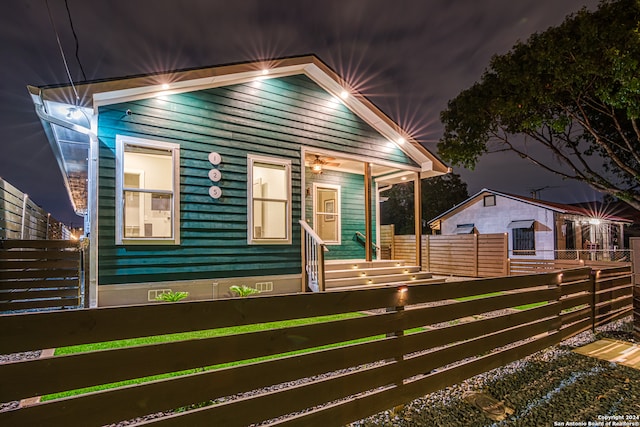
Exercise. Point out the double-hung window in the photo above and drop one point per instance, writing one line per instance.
(147, 191)
(268, 200)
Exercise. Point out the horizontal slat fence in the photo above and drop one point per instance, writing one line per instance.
(329, 386)
(470, 255)
(21, 218)
(40, 274)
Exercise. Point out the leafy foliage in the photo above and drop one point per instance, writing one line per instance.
(438, 194)
(172, 296)
(243, 291)
(574, 90)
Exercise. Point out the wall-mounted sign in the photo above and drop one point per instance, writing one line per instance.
(215, 175)
(215, 158)
(215, 192)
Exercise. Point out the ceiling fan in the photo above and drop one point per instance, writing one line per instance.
(316, 163)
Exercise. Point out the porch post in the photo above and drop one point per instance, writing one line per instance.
(417, 205)
(367, 211)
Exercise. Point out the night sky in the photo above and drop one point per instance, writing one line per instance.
(408, 56)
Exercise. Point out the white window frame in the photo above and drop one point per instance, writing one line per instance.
(251, 160)
(121, 141)
(338, 212)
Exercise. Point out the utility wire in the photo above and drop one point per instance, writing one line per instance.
(64, 59)
(73, 30)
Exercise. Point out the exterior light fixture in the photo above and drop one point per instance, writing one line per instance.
(401, 140)
(344, 94)
(594, 221)
(403, 289)
(265, 72)
(316, 166)
(165, 86)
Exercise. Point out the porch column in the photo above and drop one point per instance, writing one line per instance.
(417, 205)
(367, 212)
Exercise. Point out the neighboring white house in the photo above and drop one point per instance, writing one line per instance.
(536, 228)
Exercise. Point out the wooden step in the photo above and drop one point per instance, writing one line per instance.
(358, 264)
(367, 272)
(386, 285)
(377, 279)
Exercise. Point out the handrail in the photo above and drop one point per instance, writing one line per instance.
(359, 234)
(311, 232)
(312, 251)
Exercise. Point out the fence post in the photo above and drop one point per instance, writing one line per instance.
(634, 243)
(24, 211)
(399, 307)
(593, 278)
(475, 255)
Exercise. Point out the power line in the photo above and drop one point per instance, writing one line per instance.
(64, 59)
(73, 30)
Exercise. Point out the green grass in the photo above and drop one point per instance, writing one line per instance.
(204, 334)
(532, 305)
(472, 297)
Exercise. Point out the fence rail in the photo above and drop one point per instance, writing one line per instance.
(529, 265)
(40, 274)
(324, 386)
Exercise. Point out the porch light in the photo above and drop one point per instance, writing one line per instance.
(401, 140)
(403, 289)
(165, 86)
(316, 166)
(74, 113)
(594, 221)
(344, 94)
(265, 72)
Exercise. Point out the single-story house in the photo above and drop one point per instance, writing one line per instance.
(536, 228)
(200, 179)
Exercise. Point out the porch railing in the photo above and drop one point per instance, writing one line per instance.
(313, 249)
(375, 247)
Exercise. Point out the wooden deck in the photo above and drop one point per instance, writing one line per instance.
(622, 352)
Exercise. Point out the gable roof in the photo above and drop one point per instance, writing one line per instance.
(69, 134)
(553, 206)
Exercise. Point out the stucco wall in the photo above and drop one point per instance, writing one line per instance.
(496, 219)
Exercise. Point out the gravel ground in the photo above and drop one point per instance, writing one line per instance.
(552, 387)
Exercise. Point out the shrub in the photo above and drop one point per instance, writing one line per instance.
(243, 291)
(172, 296)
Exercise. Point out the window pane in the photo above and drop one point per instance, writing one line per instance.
(524, 242)
(327, 227)
(269, 219)
(270, 181)
(327, 220)
(154, 168)
(147, 215)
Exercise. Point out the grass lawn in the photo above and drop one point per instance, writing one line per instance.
(472, 297)
(203, 334)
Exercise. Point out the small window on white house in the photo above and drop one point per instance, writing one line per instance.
(524, 238)
(269, 200)
(147, 191)
(490, 200)
(326, 210)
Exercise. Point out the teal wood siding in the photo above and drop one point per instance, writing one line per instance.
(352, 211)
(272, 118)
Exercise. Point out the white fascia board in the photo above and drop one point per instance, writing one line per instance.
(150, 91)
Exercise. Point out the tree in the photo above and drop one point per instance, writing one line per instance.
(439, 194)
(574, 90)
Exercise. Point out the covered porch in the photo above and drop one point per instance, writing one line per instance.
(340, 221)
